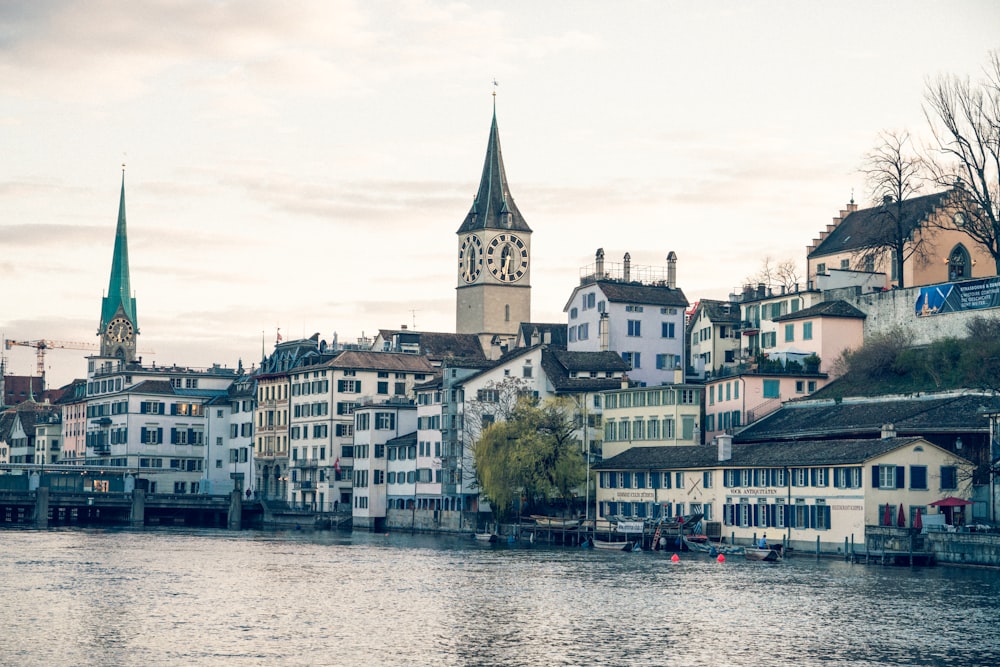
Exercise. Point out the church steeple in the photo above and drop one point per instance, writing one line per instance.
(493, 207)
(118, 318)
(119, 294)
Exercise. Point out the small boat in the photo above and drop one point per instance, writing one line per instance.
(487, 537)
(711, 548)
(627, 545)
(771, 555)
(554, 522)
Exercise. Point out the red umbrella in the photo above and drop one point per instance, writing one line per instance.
(918, 523)
(951, 501)
(887, 516)
(901, 519)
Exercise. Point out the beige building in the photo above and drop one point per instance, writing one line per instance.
(948, 253)
(662, 416)
(798, 492)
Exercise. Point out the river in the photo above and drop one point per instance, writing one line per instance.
(204, 597)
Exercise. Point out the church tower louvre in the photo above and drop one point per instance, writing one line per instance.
(493, 293)
(119, 327)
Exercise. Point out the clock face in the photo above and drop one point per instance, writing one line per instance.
(470, 258)
(119, 330)
(507, 258)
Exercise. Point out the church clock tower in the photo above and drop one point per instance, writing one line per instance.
(118, 328)
(494, 255)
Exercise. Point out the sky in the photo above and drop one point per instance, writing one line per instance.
(305, 165)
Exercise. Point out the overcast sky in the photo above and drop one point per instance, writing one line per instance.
(306, 164)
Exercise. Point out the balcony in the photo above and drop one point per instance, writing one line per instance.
(307, 485)
(304, 463)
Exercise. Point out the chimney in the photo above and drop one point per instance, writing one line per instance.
(627, 268)
(888, 431)
(671, 269)
(599, 264)
(725, 446)
(547, 337)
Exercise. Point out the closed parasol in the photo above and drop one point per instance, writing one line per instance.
(887, 515)
(918, 523)
(901, 518)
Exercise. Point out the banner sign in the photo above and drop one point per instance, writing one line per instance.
(955, 297)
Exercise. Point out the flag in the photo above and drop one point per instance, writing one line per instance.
(336, 465)
(279, 334)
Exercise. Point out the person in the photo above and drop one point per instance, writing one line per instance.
(763, 542)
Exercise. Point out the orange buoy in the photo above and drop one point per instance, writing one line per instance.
(675, 558)
(721, 558)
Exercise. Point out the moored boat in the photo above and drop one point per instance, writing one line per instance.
(771, 555)
(627, 545)
(487, 537)
(554, 522)
(711, 548)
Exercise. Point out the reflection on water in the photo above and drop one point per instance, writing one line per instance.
(85, 597)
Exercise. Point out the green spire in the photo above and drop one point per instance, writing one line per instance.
(119, 296)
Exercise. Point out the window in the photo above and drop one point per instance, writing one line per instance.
(821, 515)
(349, 386)
(385, 421)
(379, 451)
(789, 333)
(583, 331)
(807, 330)
(383, 387)
(667, 329)
(667, 361)
(768, 339)
(949, 478)
(772, 388)
(631, 358)
(706, 479)
(918, 477)
(634, 328)
(888, 477)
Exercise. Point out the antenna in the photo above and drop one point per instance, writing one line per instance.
(413, 315)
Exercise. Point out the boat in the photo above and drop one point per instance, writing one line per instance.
(627, 545)
(486, 537)
(771, 554)
(711, 548)
(554, 522)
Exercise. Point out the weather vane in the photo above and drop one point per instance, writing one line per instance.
(495, 84)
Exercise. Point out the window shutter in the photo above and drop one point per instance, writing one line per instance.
(159, 435)
(812, 516)
(812, 476)
(754, 519)
(143, 408)
(771, 514)
(143, 433)
(900, 477)
(874, 477)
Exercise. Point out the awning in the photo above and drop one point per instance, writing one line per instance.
(951, 501)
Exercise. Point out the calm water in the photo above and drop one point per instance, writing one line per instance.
(89, 597)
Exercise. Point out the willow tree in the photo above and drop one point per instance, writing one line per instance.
(533, 454)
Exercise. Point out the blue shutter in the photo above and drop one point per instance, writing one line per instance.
(754, 521)
(900, 477)
(159, 435)
(771, 515)
(874, 477)
(812, 516)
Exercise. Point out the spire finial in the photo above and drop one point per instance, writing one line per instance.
(852, 195)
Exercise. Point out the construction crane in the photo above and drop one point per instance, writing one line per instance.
(42, 345)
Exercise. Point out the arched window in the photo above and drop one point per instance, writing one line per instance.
(959, 266)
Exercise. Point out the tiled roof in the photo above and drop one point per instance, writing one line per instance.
(560, 364)
(382, 361)
(824, 309)
(153, 387)
(653, 295)
(772, 454)
(861, 227)
(855, 417)
(720, 312)
(557, 333)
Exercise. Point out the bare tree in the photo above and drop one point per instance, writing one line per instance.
(892, 173)
(965, 122)
(776, 274)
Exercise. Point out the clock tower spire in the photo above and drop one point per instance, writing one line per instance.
(494, 252)
(119, 326)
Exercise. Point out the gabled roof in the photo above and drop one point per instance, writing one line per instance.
(719, 312)
(557, 335)
(405, 439)
(647, 295)
(494, 207)
(437, 346)
(865, 416)
(824, 309)
(382, 361)
(771, 454)
(559, 366)
(860, 228)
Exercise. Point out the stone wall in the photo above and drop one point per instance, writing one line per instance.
(897, 309)
(964, 548)
(437, 521)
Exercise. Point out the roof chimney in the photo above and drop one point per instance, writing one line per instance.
(671, 269)
(725, 446)
(599, 264)
(888, 431)
(627, 268)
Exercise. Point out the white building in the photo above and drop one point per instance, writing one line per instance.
(636, 312)
(375, 424)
